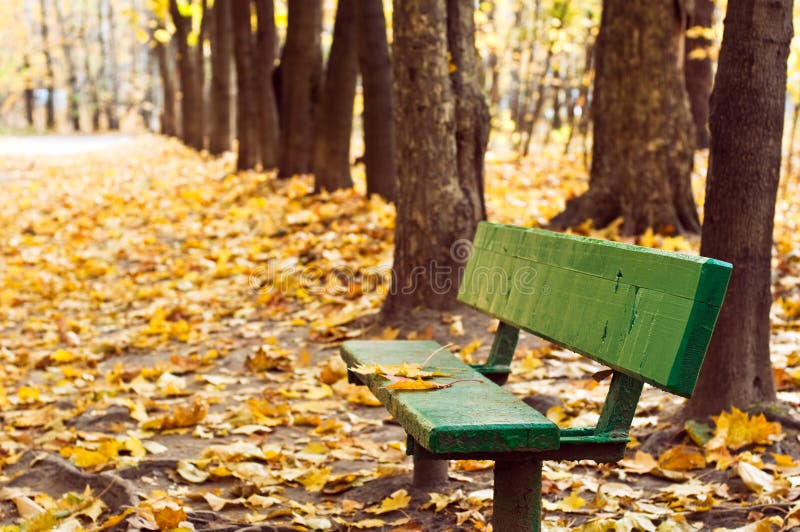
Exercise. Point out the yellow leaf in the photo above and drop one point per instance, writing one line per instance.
(85, 458)
(641, 463)
(28, 394)
(361, 395)
(474, 465)
(415, 385)
(440, 501)
(737, 429)
(681, 458)
(169, 515)
(568, 504)
(266, 358)
(396, 501)
(315, 480)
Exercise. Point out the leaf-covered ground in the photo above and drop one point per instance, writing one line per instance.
(168, 337)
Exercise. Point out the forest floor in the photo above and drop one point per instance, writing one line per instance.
(169, 333)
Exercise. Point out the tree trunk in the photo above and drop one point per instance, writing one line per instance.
(376, 82)
(437, 208)
(697, 67)
(112, 102)
(191, 134)
(168, 121)
(747, 113)
(642, 152)
(335, 125)
(221, 54)
(493, 62)
(472, 113)
(247, 128)
(200, 76)
(28, 94)
(301, 65)
(74, 109)
(520, 75)
(92, 79)
(529, 119)
(48, 61)
(268, 130)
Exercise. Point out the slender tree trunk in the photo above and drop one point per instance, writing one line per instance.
(301, 65)
(335, 125)
(74, 109)
(246, 98)
(472, 113)
(493, 63)
(642, 152)
(191, 134)
(437, 207)
(200, 76)
(221, 55)
(530, 119)
(28, 94)
(747, 113)
(101, 75)
(376, 81)
(697, 67)
(518, 76)
(48, 61)
(266, 37)
(584, 95)
(168, 120)
(112, 102)
(92, 78)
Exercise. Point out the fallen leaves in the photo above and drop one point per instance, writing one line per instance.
(182, 416)
(157, 315)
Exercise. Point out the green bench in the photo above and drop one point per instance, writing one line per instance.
(647, 314)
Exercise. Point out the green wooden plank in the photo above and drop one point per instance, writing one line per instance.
(656, 331)
(467, 417)
(666, 271)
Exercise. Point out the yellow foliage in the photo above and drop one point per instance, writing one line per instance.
(737, 429)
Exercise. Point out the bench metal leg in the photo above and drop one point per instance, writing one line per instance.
(517, 496)
(428, 472)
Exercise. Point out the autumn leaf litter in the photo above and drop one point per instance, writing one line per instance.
(167, 334)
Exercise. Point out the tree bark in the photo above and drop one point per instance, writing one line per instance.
(301, 71)
(48, 61)
(112, 102)
(697, 67)
(268, 129)
(28, 92)
(246, 126)
(437, 208)
(190, 133)
(74, 110)
(200, 76)
(221, 54)
(747, 113)
(168, 121)
(335, 125)
(376, 81)
(472, 113)
(91, 78)
(642, 152)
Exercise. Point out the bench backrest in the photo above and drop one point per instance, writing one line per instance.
(644, 312)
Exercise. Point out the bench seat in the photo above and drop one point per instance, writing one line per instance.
(468, 417)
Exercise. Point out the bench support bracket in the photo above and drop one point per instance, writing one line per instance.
(517, 496)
